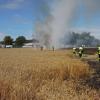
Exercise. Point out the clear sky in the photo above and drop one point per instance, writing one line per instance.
(18, 17)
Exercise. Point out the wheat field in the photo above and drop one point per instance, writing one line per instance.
(28, 74)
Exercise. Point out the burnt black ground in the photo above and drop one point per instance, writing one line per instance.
(93, 80)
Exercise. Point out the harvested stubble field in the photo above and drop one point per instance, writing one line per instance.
(27, 74)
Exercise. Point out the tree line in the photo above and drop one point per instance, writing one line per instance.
(19, 42)
(73, 39)
(79, 39)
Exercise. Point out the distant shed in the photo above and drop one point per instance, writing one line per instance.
(30, 45)
(9, 46)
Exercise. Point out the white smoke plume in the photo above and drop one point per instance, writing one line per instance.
(56, 24)
(63, 13)
(60, 18)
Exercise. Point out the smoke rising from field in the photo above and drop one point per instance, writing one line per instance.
(62, 13)
(60, 17)
(54, 27)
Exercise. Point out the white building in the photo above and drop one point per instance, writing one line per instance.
(30, 45)
(9, 46)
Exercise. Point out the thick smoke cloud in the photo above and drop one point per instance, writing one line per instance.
(63, 13)
(58, 19)
(52, 30)
(42, 26)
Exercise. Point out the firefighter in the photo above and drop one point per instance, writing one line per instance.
(98, 51)
(41, 48)
(74, 50)
(53, 48)
(80, 51)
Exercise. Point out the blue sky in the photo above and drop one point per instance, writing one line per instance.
(18, 17)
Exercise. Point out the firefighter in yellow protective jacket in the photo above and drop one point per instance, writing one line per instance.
(74, 51)
(80, 51)
(98, 51)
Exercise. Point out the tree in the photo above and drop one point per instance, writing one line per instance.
(86, 39)
(79, 39)
(8, 40)
(20, 41)
(73, 38)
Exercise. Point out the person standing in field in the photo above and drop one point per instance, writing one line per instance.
(53, 48)
(80, 52)
(98, 51)
(41, 48)
(74, 51)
